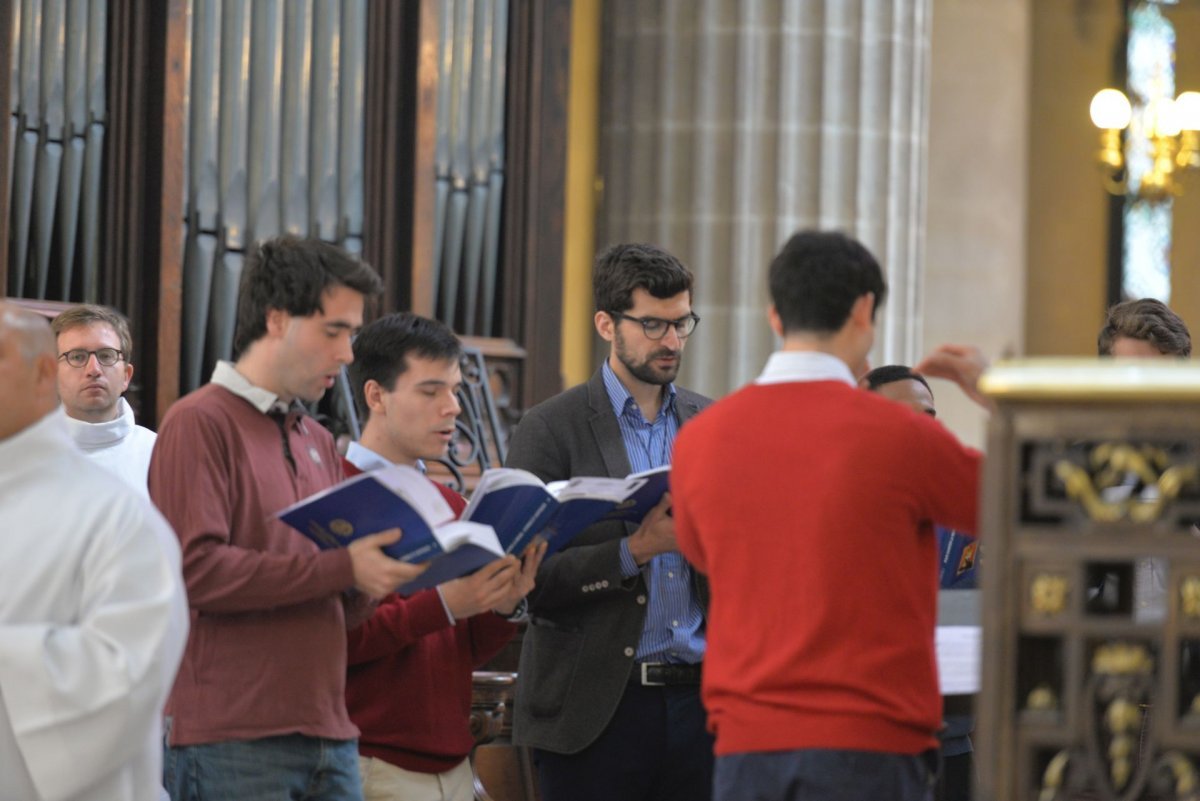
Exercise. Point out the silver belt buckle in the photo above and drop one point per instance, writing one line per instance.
(646, 676)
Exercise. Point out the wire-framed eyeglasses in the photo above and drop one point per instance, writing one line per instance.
(79, 357)
(656, 327)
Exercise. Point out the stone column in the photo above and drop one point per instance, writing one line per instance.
(729, 124)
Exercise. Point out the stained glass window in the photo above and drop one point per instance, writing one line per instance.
(1146, 258)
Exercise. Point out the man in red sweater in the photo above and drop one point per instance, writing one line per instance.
(409, 683)
(807, 502)
(258, 710)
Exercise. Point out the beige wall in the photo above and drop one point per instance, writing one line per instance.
(1072, 57)
(976, 240)
(1017, 232)
(1185, 256)
(1073, 51)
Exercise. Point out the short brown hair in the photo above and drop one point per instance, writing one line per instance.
(1148, 320)
(89, 314)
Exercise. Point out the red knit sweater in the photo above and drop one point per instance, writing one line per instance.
(408, 688)
(807, 504)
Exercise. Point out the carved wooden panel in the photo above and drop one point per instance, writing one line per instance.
(1091, 685)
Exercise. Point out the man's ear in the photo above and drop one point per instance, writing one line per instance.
(128, 377)
(774, 320)
(605, 325)
(863, 311)
(373, 395)
(277, 320)
(45, 371)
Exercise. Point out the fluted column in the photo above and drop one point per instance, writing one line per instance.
(729, 124)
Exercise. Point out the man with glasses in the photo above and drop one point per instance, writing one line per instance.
(94, 370)
(608, 691)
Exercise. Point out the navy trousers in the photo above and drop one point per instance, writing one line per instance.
(656, 748)
(825, 775)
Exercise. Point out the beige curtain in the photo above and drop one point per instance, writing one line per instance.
(729, 124)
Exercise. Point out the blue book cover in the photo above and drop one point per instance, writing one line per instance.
(521, 508)
(461, 561)
(635, 508)
(957, 555)
(397, 497)
(517, 512)
(360, 506)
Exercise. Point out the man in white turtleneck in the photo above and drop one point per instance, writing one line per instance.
(93, 617)
(94, 370)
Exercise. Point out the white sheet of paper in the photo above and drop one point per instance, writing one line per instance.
(958, 658)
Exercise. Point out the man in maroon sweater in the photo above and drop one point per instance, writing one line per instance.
(258, 709)
(409, 683)
(807, 503)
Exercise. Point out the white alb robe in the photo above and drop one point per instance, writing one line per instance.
(120, 446)
(93, 620)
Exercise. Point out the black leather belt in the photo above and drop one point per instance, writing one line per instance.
(662, 674)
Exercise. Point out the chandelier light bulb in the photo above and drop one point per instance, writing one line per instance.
(1187, 108)
(1110, 109)
(1166, 117)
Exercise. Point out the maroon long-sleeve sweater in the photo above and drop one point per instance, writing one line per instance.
(266, 653)
(408, 688)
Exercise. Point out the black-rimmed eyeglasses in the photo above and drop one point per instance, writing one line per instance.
(656, 327)
(79, 357)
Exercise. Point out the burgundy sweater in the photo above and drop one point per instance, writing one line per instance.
(409, 684)
(807, 504)
(266, 652)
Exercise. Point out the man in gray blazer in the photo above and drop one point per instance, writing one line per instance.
(608, 693)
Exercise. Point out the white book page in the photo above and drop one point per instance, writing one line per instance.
(958, 658)
(463, 532)
(607, 489)
(413, 486)
(498, 478)
(652, 471)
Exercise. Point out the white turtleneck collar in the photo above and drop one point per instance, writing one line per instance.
(89, 436)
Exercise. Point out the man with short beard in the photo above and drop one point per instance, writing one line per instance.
(608, 689)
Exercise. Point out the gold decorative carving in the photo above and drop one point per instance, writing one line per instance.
(1189, 596)
(1052, 777)
(1184, 772)
(1111, 463)
(1042, 698)
(1118, 666)
(1122, 659)
(1048, 593)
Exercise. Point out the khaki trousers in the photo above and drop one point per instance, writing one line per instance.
(383, 781)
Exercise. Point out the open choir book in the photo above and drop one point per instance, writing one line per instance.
(509, 509)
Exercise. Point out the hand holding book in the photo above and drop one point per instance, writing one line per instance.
(655, 535)
(375, 573)
(510, 511)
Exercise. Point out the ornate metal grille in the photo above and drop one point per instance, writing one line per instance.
(1091, 685)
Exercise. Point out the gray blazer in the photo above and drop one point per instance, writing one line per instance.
(586, 619)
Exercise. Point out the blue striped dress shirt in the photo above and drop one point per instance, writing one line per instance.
(674, 627)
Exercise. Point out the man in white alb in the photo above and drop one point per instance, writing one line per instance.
(95, 366)
(93, 616)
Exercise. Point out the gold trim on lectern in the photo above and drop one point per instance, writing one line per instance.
(1083, 380)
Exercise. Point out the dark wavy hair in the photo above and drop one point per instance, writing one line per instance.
(1148, 320)
(620, 269)
(291, 274)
